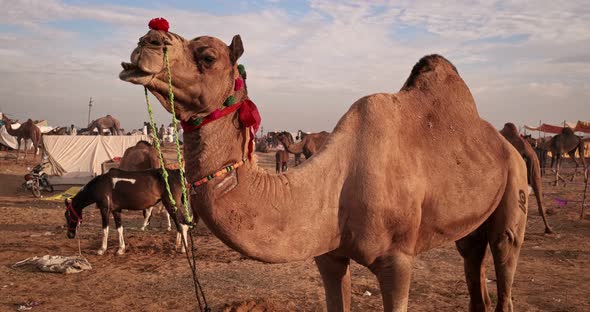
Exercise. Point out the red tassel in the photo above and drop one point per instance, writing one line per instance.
(239, 84)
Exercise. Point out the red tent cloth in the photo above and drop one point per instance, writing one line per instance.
(583, 126)
(546, 128)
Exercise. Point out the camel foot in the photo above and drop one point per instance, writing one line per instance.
(120, 251)
(100, 252)
(549, 230)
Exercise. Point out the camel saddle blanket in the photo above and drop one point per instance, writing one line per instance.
(55, 264)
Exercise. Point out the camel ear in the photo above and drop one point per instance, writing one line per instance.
(235, 49)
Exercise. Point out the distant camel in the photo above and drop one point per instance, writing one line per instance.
(107, 122)
(308, 146)
(541, 147)
(26, 131)
(510, 132)
(566, 142)
(58, 131)
(282, 160)
(292, 141)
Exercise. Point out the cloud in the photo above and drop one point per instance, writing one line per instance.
(305, 69)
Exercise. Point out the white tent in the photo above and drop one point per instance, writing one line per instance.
(82, 155)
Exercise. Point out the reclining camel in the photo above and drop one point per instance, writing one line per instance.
(400, 174)
(143, 156)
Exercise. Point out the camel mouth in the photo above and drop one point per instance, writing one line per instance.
(135, 74)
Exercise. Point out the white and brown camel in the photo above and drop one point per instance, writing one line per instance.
(510, 132)
(107, 122)
(26, 131)
(438, 174)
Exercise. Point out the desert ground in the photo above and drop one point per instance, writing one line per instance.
(552, 275)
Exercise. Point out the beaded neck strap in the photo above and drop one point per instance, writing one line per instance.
(219, 173)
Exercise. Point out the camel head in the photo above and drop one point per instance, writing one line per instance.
(203, 71)
(510, 130)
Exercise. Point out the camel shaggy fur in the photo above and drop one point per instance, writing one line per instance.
(438, 174)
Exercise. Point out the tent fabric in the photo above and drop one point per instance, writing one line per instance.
(82, 154)
(580, 126)
(583, 126)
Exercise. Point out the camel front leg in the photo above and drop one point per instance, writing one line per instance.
(335, 272)
(394, 273)
(117, 217)
(147, 214)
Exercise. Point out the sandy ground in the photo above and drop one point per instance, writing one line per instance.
(553, 271)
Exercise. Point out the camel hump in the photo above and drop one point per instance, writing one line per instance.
(429, 67)
(567, 130)
(510, 129)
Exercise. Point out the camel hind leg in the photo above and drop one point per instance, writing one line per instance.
(505, 232)
(572, 155)
(473, 250)
(335, 272)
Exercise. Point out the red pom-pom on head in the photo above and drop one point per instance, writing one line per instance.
(159, 23)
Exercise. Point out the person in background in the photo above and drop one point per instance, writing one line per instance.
(73, 130)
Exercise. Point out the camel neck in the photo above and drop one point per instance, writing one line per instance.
(8, 126)
(272, 218)
(293, 148)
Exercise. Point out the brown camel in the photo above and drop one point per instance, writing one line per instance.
(58, 131)
(541, 147)
(510, 132)
(566, 142)
(290, 141)
(438, 173)
(106, 122)
(26, 131)
(282, 161)
(143, 156)
(309, 145)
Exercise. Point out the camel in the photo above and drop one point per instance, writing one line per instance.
(309, 145)
(291, 148)
(106, 122)
(541, 147)
(143, 156)
(566, 142)
(438, 173)
(26, 131)
(282, 161)
(58, 131)
(510, 132)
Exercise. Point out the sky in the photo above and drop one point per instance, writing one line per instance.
(307, 61)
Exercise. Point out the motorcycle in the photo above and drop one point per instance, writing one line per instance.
(36, 181)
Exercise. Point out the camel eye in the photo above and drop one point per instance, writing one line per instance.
(208, 59)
